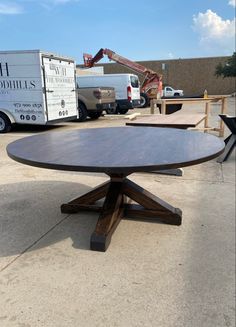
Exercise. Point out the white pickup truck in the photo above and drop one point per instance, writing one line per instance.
(168, 91)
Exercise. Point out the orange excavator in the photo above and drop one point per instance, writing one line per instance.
(151, 87)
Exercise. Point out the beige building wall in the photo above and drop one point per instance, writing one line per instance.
(191, 75)
(90, 71)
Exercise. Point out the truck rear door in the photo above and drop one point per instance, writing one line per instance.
(107, 95)
(135, 87)
(59, 88)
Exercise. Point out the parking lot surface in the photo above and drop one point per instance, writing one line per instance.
(151, 275)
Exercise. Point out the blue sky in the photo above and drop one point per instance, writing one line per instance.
(138, 30)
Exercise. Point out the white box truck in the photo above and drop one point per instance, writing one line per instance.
(127, 88)
(36, 88)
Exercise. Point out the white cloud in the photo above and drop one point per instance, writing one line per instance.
(214, 31)
(50, 4)
(212, 26)
(58, 2)
(170, 55)
(11, 8)
(7, 8)
(55, 2)
(232, 3)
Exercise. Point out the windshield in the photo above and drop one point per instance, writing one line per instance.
(134, 81)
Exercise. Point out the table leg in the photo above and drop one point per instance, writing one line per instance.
(175, 172)
(163, 107)
(150, 206)
(152, 107)
(118, 192)
(207, 112)
(85, 200)
(223, 112)
(109, 218)
(230, 145)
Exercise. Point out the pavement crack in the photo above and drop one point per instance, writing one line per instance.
(34, 243)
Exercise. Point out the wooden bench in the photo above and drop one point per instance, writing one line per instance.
(182, 121)
(221, 99)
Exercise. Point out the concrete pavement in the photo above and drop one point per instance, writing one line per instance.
(151, 275)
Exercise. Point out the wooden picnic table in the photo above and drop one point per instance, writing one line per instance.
(207, 101)
(182, 121)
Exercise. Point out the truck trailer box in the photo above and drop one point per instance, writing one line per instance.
(36, 88)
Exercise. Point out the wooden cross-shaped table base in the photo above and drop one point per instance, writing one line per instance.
(116, 207)
(230, 141)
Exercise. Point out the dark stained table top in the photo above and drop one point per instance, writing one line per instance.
(116, 150)
(174, 120)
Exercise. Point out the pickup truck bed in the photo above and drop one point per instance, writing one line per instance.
(93, 100)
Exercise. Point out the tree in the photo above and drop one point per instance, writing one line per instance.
(228, 69)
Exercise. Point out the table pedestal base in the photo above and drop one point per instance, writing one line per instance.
(116, 207)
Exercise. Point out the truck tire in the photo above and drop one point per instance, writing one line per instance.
(112, 111)
(5, 123)
(122, 111)
(83, 113)
(176, 94)
(144, 101)
(95, 114)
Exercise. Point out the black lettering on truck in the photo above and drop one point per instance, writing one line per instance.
(4, 68)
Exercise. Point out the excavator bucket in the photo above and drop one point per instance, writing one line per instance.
(87, 60)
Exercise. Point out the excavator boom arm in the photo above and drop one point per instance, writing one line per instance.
(89, 61)
(152, 79)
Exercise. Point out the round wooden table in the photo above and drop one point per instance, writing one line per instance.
(117, 152)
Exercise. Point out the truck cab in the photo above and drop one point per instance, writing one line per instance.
(168, 91)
